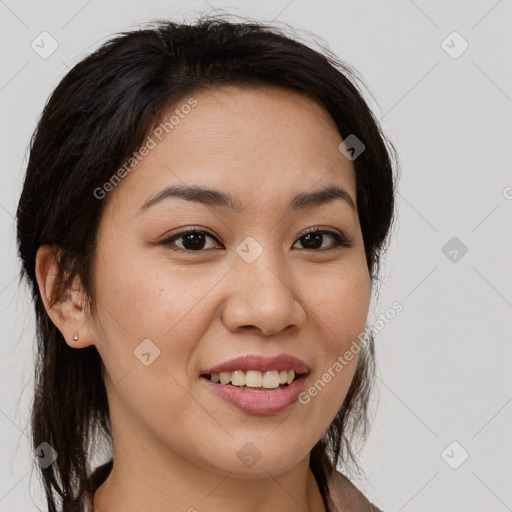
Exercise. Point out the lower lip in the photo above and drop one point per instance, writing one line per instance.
(259, 402)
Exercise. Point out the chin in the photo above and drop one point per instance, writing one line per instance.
(258, 458)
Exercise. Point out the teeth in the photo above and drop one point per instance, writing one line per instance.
(225, 377)
(255, 379)
(238, 378)
(271, 379)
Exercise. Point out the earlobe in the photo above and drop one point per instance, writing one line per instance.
(64, 306)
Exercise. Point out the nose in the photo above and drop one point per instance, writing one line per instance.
(261, 296)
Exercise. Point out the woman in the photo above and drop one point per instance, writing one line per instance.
(201, 223)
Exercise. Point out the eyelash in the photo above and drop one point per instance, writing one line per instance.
(339, 241)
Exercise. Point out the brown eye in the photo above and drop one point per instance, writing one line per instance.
(195, 240)
(313, 239)
(192, 240)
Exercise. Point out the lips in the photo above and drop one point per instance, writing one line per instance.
(260, 363)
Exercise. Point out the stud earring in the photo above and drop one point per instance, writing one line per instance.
(75, 337)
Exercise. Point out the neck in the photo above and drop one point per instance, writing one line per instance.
(158, 488)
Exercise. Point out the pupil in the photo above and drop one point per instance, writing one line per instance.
(317, 238)
(189, 239)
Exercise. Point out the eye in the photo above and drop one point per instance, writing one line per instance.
(313, 239)
(193, 240)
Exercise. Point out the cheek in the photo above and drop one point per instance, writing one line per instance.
(340, 306)
(139, 301)
(147, 339)
(151, 297)
(340, 301)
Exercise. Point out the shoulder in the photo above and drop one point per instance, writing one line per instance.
(346, 496)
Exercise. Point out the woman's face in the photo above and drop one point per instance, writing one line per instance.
(251, 282)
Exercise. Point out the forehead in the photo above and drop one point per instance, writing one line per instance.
(260, 144)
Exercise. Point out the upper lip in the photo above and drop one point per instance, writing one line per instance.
(260, 363)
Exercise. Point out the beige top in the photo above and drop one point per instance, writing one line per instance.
(344, 497)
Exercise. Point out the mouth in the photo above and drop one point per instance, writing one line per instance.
(254, 380)
(256, 392)
(258, 373)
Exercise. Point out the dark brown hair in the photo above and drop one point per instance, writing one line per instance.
(98, 115)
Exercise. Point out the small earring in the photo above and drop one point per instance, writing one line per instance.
(75, 337)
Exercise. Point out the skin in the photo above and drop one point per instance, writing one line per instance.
(175, 441)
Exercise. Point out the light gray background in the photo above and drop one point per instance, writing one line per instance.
(444, 361)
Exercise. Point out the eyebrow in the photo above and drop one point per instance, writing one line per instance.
(217, 198)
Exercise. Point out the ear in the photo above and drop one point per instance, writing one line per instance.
(65, 307)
